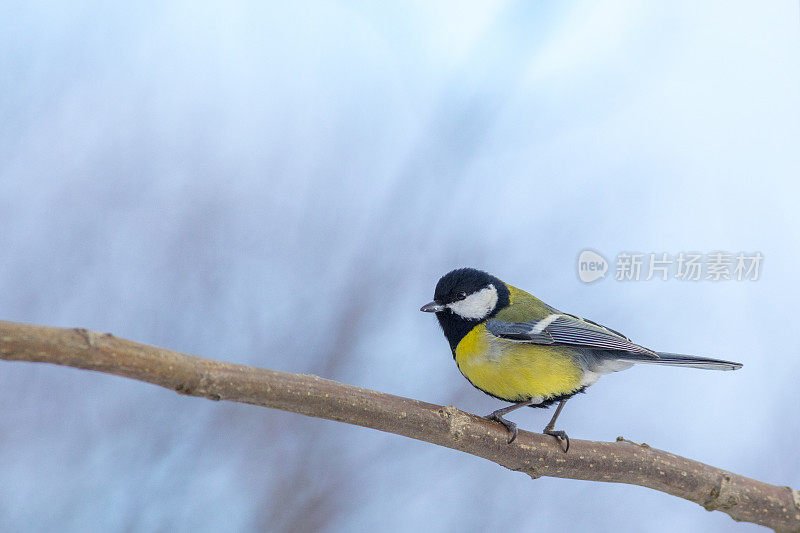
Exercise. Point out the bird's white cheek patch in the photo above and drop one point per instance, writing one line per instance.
(477, 305)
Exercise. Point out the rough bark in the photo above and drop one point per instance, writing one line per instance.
(742, 498)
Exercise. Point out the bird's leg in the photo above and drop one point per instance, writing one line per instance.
(560, 435)
(497, 416)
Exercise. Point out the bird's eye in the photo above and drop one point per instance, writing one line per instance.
(462, 295)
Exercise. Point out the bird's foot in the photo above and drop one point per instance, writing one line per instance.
(510, 426)
(560, 435)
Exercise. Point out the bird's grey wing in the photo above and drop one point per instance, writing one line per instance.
(597, 345)
(519, 331)
(560, 328)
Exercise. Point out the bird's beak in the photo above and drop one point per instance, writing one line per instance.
(432, 307)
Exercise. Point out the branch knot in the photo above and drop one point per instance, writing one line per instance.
(457, 421)
(724, 496)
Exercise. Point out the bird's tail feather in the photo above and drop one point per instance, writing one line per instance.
(676, 359)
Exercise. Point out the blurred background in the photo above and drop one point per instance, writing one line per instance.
(282, 184)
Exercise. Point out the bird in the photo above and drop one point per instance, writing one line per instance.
(518, 349)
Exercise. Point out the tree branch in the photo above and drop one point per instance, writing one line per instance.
(742, 498)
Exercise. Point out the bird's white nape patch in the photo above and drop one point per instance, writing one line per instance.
(477, 305)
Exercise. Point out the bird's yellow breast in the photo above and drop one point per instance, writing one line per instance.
(516, 371)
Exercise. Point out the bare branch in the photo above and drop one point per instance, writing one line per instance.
(742, 498)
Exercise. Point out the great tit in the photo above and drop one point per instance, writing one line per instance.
(518, 349)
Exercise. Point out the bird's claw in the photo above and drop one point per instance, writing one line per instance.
(510, 426)
(560, 435)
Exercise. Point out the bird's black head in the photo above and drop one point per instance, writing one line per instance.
(465, 297)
